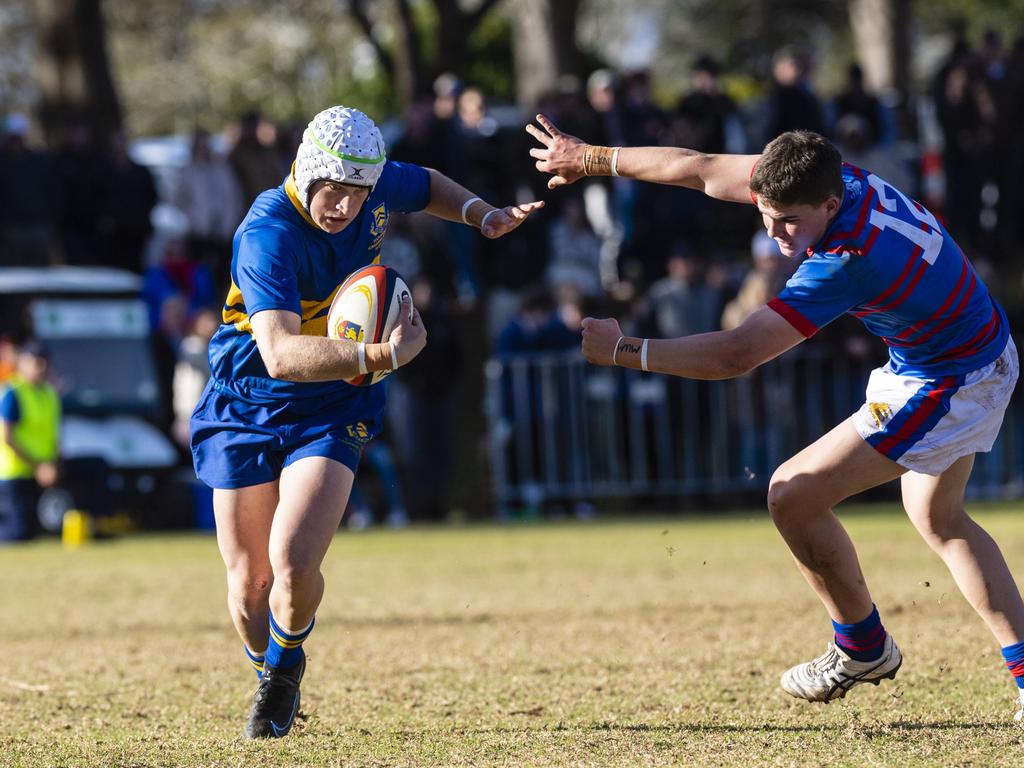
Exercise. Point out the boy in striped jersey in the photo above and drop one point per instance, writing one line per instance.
(870, 251)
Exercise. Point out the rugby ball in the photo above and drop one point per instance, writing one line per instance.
(365, 309)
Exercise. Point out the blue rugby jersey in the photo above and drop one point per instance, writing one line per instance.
(886, 260)
(282, 260)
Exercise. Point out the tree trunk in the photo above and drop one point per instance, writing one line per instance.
(72, 70)
(534, 51)
(880, 32)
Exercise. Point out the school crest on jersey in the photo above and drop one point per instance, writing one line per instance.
(880, 412)
(378, 225)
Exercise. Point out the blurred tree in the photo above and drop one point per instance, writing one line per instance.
(71, 68)
(881, 31)
(545, 46)
(397, 33)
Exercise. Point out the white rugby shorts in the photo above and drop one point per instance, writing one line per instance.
(927, 424)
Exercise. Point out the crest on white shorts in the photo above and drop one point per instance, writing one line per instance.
(880, 412)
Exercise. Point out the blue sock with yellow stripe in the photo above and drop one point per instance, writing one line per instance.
(256, 660)
(285, 649)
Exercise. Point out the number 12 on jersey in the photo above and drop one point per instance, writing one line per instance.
(928, 240)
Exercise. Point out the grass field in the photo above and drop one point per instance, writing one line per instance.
(650, 643)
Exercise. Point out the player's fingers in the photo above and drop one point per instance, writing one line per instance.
(548, 126)
(532, 206)
(540, 136)
(556, 181)
(540, 154)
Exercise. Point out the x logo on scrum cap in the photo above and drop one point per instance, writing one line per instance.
(357, 173)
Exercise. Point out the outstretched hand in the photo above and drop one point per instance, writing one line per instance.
(503, 220)
(562, 155)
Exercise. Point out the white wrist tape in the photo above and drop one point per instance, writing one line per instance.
(484, 219)
(615, 161)
(394, 357)
(465, 208)
(615, 349)
(361, 352)
(643, 355)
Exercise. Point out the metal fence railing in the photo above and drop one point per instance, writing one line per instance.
(561, 429)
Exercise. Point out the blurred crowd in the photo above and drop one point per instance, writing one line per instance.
(666, 261)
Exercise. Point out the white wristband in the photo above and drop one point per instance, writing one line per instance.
(484, 219)
(615, 349)
(465, 208)
(394, 356)
(643, 355)
(361, 352)
(615, 160)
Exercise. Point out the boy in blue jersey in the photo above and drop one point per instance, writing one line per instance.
(277, 433)
(872, 252)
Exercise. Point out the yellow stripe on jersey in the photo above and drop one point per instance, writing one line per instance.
(293, 194)
(314, 313)
(234, 310)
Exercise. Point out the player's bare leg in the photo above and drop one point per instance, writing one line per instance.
(313, 494)
(801, 496)
(935, 506)
(244, 518)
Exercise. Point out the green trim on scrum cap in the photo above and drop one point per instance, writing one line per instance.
(341, 156)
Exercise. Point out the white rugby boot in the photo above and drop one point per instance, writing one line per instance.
(834, 673)
(1020, 712)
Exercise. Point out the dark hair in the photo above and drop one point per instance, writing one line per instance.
(798, 168)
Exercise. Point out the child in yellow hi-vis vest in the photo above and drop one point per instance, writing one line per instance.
(29, 442)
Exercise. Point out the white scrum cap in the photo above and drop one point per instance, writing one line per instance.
(341, 144)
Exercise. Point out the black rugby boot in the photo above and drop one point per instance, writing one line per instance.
(275, 703)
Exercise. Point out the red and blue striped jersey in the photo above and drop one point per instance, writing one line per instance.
(886, 260)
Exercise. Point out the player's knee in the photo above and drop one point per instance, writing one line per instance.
(939, 524)
(246, 587)
(785, 497)
(297, 576)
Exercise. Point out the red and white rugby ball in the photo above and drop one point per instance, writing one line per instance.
(365, 309)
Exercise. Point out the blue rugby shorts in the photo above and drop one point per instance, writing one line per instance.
(236, 443)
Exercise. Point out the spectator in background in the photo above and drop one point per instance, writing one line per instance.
(29, 199)
(607, 199)
(856, 100)
(176, 274)
(536, 327)
(852, 138)
(761, 284)
(29, 443)
(1011, 118)
(792, 104)
(210, 197)
(128, 199)
(192, 371)
(254, 160)
(575, 251)
(707, 114)
(643, 122)
(423, 408)
(682, 302)
(8, 358)
(967, 115)
(80, 171)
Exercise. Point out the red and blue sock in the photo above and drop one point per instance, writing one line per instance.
(285, 649)
(863, 641)
(1014, 656)
(256, 660)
